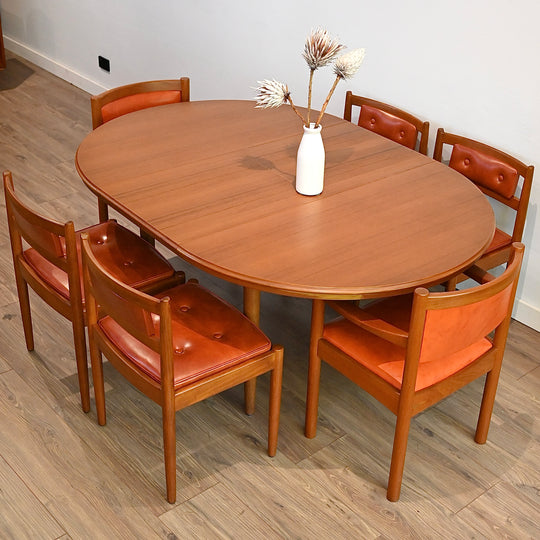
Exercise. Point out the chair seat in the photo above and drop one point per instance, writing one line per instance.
(209, 335)
(386, 359)
(500, 240)
(125, 255)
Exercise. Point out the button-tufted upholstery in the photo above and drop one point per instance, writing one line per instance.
(485, 170)
(388, 125)
(501, 177)
(51, 266)
(128, 258)
(388, 121)
(412, 351)
(208, 335)
(179, 347)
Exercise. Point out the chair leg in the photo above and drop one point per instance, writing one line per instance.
(486, 408)
(169, 450)
(99, 386)
(275, 402)
(250, 390)
(147, 238)
(312, 399)
(79, 339)
(451, 284)
(103, 210)
(314, 371)
(26, 312)
(252, 307)
(399, 449)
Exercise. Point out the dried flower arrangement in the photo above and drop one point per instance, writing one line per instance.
(319, 51)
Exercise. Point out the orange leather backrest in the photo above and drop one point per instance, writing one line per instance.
(485, 170)
(137, 102)
(388, 125)
(447, 331)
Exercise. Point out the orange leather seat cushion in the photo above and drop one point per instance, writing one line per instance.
(125, 255)
(137, 102)
(388, 360)
(208, 335)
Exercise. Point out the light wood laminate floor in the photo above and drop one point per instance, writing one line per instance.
(63, 476)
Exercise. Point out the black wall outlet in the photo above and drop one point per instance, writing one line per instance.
(104, 64)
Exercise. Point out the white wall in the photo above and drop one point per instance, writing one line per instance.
(470, 66)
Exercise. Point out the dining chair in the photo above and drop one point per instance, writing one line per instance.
(389, 121)
(133, 97)
(411, 351)
(47, 257)
(177, 347)
(499, 176)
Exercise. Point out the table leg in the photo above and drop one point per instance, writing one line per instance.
(314, 371)
(103, 210)
(252, 308)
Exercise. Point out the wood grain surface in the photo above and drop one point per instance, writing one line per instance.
(214, 182)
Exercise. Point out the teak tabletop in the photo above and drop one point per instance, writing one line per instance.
(214, 182)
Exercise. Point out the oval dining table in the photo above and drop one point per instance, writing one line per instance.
(214, 182)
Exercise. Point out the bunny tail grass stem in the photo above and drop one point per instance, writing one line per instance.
(327, 100)
(311, 72)
(289, 98)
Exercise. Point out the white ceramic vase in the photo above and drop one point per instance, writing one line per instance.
(310, 162)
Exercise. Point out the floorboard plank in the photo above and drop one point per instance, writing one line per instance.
(21, 514)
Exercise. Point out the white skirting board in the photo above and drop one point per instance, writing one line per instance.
(52, 66)
(527, 314)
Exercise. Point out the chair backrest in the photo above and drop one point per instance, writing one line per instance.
(443, 324)
(388, 121)
(141, 315)
(133, 97)
(496, 173)
(53, 240)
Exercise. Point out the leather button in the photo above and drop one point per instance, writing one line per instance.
(402, 134)
(466, 161)
(100, 241)
(184, 308)
(179, 350)
(218, 335)
(128, 263)
(372, 121)
(501, 178)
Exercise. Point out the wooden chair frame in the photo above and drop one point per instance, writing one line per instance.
(57, 243)
(421, 126)
(518, 204)
(169, 398)
(71, 308)
(407, 402)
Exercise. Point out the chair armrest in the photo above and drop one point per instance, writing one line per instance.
(367, 321)
(479, 274)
